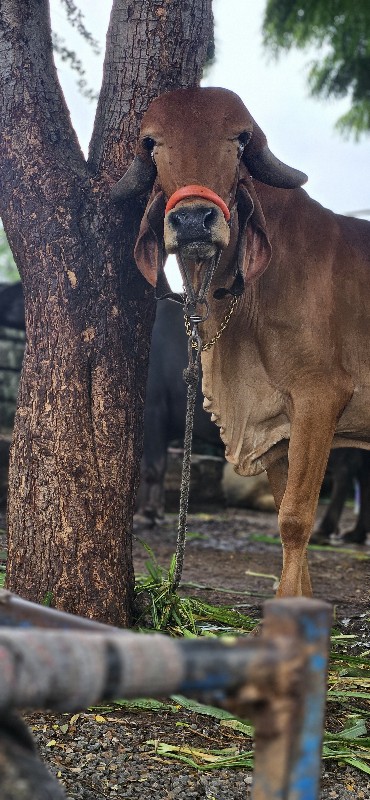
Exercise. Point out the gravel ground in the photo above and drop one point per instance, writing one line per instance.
(111, 759)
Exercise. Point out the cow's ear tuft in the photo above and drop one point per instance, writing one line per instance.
(149, 248)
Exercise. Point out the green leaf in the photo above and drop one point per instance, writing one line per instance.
(359, 764)
(201, 708)
(353, 728)
(144, 704)
(334, 695)
(48, 599)
(64, 728)
(237, 725)
(204, 759)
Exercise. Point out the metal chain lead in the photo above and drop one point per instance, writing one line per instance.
(191, 377)
(224, 324)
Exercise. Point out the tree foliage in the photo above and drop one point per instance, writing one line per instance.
(60, 46)
(341, 31)
(76, 19)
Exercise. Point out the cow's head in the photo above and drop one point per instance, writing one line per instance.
(196, 152)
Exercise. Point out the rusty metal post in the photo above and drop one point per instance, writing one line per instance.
(16, 612)
(289, 720)
(278, 680)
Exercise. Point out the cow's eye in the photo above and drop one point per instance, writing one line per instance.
(149, 145)
(243, 140)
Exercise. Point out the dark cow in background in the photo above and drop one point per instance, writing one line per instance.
(347, 467)
(12, 306)
(289, 378)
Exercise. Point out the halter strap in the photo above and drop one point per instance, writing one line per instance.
(195, 190)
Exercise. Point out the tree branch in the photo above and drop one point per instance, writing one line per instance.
(37, 140)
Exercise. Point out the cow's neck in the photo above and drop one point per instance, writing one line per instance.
(227, 311)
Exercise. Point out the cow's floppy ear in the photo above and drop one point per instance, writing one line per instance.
(149, 248)
(254, 248)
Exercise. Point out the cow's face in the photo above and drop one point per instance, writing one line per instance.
(197, 149)
(196, 138)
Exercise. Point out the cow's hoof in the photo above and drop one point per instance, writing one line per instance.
(147, 519)
(321, 537)
(354, 537)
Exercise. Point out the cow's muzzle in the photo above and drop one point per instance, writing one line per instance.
(196, 223)
(195, 229)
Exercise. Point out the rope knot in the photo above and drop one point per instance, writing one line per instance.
(191, 374)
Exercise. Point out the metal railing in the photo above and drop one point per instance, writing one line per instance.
(56, 661)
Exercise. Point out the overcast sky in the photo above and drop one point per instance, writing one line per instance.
(300, 130)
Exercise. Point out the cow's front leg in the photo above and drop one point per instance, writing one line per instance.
(313, 423)
(277, 474)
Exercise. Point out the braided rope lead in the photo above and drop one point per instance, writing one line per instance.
(191, 377)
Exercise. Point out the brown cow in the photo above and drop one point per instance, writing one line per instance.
(289, 377)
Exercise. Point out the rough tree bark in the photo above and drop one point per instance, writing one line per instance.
(78, 429)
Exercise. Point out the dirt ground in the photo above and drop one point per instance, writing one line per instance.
(223, 549)
(106, 754)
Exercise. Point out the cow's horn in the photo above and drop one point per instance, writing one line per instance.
(264, 166)
(138, 180)
(268, 169)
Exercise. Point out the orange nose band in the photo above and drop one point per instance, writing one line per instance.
(194, 190)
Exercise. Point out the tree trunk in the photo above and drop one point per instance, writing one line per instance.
(78, 430)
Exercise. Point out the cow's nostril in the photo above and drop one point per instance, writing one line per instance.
(209, 218)
(176, 220)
